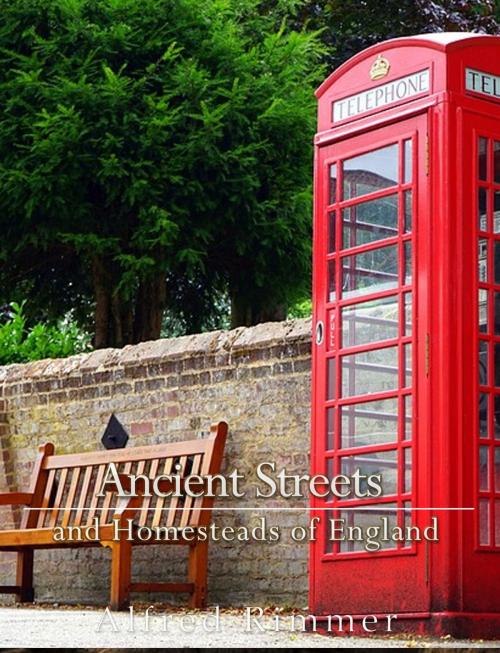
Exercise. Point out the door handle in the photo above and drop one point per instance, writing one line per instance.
(320, 330)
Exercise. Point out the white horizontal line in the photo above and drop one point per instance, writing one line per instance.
(372, 507)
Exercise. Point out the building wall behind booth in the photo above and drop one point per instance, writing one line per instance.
(257, 379)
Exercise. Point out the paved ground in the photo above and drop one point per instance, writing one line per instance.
(90, 628)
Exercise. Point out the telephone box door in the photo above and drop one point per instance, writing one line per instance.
(482, 525)
(370, 385)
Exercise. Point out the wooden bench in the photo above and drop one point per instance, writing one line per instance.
(64, 492)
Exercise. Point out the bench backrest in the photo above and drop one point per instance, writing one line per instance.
(66, 485)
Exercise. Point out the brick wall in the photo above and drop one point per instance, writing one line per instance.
(257, 379)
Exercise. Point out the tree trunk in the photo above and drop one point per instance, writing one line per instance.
(272, 313)
(116, 312)
(123, 319)
(241, 312)
(246, 313)
(149, 307)
(102, 304)
(120, 322)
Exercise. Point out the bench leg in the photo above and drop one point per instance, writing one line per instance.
(24, 576)
(121, 567)
(197, 574)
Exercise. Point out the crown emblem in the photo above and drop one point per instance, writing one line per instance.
(380, 68)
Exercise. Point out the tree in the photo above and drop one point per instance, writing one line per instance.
(154, 154)
(349, 26)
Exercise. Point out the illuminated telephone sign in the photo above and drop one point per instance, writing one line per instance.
(406, 358)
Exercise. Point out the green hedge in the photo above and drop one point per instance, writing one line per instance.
(19, 343)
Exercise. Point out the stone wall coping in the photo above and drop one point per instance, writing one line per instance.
(235, 341)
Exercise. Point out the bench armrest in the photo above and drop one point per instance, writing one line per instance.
(16, 498)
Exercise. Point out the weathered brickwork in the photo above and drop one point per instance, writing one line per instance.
(257, 379)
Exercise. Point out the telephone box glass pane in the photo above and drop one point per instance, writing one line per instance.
(496, 316)
(371, 422)
(364, 519)
(496, 212)
(384, 463)
(483, 310)
(370, 221)
(408, 211)
(483, 414)
(370, 272)
(496, 472)
(482, 202)
(408, 314)
(330, 473)
(408, 275)
(484, 521)
(330, 428)
(330, 385)
(483, 468)
(333, 183)
(483, 159)
(369, 372)
(496, 162)
(496, 260)
(496, 364)
(371, 172)
(407, 470)
(331, 281)
(407, 417)
(407, 519)
(348, 544)
(407, 365)
(483, 260)
(370, 321)
(331, 231)
(496, 415)
(483, 363)
(407, 162)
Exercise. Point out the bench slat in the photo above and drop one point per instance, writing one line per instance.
(160, 502)
(188, 502)
(207, 467)
(175, 500)
(57, 502)
(140, 469)
(95, 499)
(70, 499)
(105, 507)
(134, 454)
(44, 514)
(82, 503)
(147, 501)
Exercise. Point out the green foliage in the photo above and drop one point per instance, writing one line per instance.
(19, 344)
(155, 155)
(156, 146)
(300, 309)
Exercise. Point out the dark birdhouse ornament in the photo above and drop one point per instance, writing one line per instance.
(115, 436)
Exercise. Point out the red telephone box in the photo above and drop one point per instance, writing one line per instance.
(406, 363)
